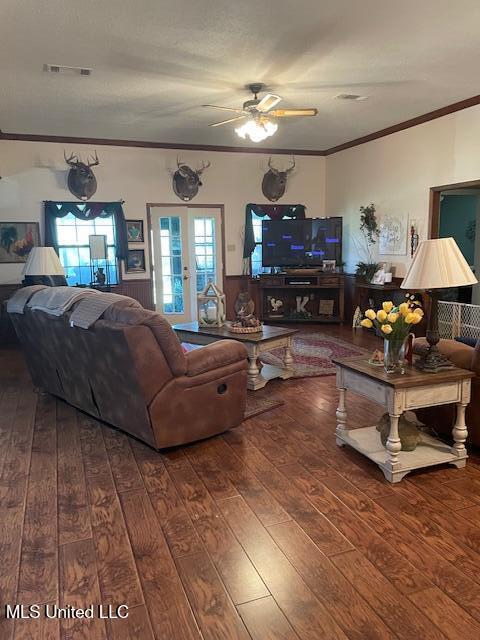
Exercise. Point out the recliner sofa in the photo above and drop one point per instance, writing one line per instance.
(130, 371)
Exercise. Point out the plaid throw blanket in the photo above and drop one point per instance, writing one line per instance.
(56, 300)
(91, 309)
(16, 304)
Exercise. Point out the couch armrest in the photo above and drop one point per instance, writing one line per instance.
(214, 356)
(461, 355)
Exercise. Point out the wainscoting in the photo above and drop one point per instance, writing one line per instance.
(140, 290)
(232, 285)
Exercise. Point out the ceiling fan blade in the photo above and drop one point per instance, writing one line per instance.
(283, 113)
(215, 106)
(217, 124)
(267, 102)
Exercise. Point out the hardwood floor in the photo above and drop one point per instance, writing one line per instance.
(267, 532)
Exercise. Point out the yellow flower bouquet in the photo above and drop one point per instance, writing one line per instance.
(394, 323)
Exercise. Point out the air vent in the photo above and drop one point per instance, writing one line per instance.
(58, 68)
(351, 97)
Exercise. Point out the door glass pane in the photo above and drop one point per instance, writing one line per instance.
(171, 261)
(205, 254)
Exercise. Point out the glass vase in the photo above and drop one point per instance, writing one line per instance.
(394, 355)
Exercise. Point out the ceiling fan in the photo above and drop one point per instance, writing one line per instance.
(259, 114)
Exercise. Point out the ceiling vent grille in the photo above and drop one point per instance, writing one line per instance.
(63, 69)
(351, 97)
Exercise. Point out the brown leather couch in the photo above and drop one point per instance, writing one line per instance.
(130, 371)
(442, 418)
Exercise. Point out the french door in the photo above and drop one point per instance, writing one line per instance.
(187, 254)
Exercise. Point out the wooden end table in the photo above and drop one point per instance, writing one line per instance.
(399, 393)
(255, 343)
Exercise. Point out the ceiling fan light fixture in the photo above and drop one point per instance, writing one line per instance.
(257, 130)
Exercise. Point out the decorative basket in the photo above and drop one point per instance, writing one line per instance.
(245, 329)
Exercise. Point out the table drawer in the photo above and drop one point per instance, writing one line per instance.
(432, 395)
(365, 387)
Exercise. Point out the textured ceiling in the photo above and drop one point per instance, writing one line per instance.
(155, 62)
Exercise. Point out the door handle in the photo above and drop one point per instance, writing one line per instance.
(185, 277)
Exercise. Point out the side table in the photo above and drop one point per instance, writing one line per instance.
(399, 393)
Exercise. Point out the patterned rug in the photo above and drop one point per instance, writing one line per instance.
(257, 405)
(313, 353)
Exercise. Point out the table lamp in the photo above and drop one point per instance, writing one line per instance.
(43, 267)
(437, 264)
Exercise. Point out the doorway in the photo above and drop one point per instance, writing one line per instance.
(455, 212)
(186, 252)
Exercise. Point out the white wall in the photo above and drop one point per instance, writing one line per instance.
(396, 173)
(36, 171)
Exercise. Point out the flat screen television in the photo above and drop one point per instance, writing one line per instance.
(301, 243)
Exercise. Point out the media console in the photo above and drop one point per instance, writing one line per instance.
(304, 298)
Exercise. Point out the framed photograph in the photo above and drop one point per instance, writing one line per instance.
(329, 265)
(17, 239)
(136, 261)
(135, 231)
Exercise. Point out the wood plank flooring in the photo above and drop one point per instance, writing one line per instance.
(268, 532)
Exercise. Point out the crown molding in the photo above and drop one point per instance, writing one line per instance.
(26, 137)
(407, 124)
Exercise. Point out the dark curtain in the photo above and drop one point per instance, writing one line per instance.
(90, 211)
(272, 211)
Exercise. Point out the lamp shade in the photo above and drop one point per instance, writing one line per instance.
(438, 264)
(43, 261)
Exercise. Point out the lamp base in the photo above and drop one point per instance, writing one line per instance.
(432, 361)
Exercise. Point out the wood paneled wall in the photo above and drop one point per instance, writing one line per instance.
(140, 290)
(232, 285)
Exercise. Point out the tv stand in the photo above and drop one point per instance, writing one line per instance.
(309, 297)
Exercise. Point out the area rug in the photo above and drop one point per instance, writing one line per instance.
(313, 353)
(257, 405)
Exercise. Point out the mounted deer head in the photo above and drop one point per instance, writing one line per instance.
(186, 181)
(275, 181)
(81, 179)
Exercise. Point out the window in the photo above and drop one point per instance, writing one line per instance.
(204, 245)
(256, 259)
(171, 256)
(73, 247)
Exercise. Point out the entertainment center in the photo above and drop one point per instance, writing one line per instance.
(313, 294)
(308, 288)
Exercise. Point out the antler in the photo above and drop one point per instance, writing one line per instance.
(271, 167)
(202, 168)
(292, 165)
(95, 161)
(72, 161)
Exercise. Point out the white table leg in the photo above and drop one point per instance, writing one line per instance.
(394, 446)
(341, 415)
(459, 431)
(255, 380)
(288, 356)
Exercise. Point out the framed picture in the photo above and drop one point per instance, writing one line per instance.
(135, 231)
(329, 265)
(393, 236)
(136, 261)
(17, 239)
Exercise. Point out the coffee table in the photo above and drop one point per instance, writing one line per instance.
(255, 343)
(399, 393)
